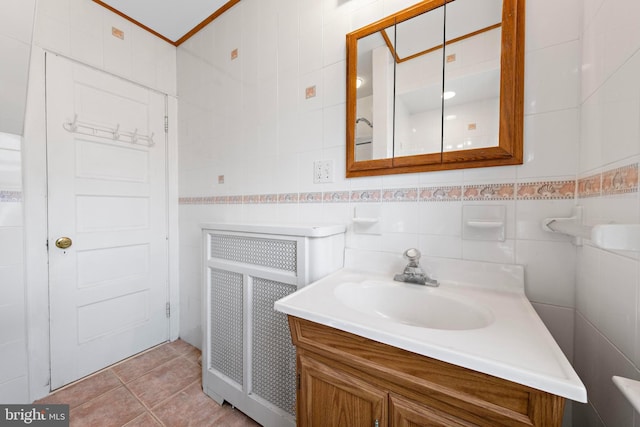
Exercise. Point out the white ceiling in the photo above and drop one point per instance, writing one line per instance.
(170, 18)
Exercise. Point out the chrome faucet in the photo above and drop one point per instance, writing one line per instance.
(413, 273)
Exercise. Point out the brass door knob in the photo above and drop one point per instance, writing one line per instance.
(63, 242)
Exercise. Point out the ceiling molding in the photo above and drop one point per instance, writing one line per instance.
(185, 37)
(139, 24)
(207, 21)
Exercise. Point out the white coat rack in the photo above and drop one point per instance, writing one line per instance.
(116, 134)
(621, 237)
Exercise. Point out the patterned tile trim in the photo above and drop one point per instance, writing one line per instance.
(489, 192)
(365, 196)
(268, 198)
(10, 196)
(251, 199)
(615, 181)
(400, 195)
(310, 197)
(288, 198)
(546, 190)
(440, 194)
(621, 180)
(590, 186)
(336, 197)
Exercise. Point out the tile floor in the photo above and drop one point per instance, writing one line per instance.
(160, 387)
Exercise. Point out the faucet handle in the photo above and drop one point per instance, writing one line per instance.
(412, 254)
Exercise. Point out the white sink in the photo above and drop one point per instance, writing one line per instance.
(478, 318)
(413, 305)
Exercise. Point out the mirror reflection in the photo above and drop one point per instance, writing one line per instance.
(427, 87)
(419, 84)
(472, 74)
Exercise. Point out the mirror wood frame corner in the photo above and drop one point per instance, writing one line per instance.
(508, 151)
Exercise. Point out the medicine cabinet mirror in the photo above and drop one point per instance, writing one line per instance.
(436, 86)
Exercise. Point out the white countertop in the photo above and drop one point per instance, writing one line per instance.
(306, 230)
(516, 346)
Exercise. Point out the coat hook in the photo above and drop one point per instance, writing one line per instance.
(72, 126)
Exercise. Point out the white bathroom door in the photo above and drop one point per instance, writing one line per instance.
(108, 194)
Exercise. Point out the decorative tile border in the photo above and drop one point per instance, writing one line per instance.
(335, 197)
(310, 197)
(288, 198)
(10, 196)
(440, 194)
(251, 199)
(621, 180)
(590, 186)
(268, 198)
(400, 195)
(489, 192)
(546, 190)
(365, 196)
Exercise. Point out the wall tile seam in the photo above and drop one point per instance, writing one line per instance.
(12, 379)
(511, 191)
(604, 336)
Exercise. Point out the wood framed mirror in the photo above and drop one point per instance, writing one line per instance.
(437, 86)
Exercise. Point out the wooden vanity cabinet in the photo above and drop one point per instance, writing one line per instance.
(345, 380)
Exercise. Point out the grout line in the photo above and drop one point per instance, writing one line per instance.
(125, 385)
(176, 356)
(162, 402)
(87, 378)
(120, 380)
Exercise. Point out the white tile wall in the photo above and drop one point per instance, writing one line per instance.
(13, 350)
(81, 30)
(273, 80)
(560, 90)
(15, 46)
(596, 361)
(607, 339)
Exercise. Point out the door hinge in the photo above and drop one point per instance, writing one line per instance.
(168, 309)
(298, 381)
(166, 124)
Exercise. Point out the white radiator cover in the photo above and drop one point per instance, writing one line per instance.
(248, 359)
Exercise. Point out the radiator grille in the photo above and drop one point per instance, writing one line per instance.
(272, 253)
(274, 356)
(226, 325)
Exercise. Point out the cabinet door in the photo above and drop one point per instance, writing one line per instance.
(406, 413)
(331, 397)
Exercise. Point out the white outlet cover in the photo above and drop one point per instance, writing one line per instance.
(322, 171)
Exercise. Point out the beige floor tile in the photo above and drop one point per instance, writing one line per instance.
(181, 346)
(145, 362)
(164, 381)
(144, 420)
(84, 390)
(112, 409)
(190, 407)
(193, 355)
